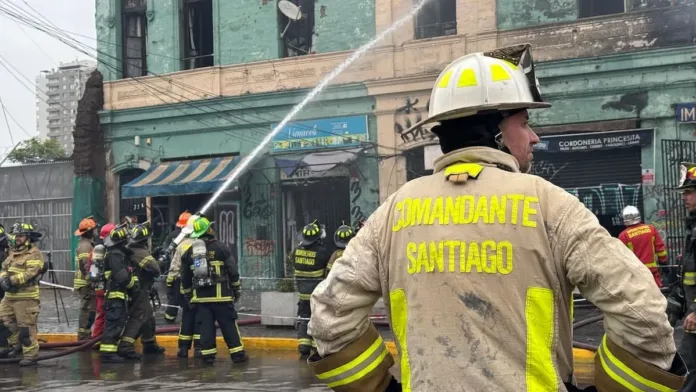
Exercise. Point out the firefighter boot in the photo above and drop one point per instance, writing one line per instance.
(153, 348)
(127, 350)
(239, 357)
(111, 358)
(197, 353)
(27, 362)
(5, 352)
(182, 353)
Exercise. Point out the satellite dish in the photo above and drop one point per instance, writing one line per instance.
(290, 10)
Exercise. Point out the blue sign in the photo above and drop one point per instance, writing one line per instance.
(686, 112)
(337, 132)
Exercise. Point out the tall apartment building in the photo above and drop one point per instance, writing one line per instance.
(58, 91)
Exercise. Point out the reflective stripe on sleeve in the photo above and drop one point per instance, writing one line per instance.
(358, 367)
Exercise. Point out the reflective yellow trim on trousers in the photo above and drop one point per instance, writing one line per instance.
(309, 274)
(108, 348)
(126, 339)
(624, 375)
(539, 314)
(196, 337)
(358, 367)
(236, 350)
(304, 342)
(690, 278)
(305, 297)
(211, 351)
(185, 337)
(399, 319)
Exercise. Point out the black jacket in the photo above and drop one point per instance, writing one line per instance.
(225, 273)
(310, 267)
(119, 278)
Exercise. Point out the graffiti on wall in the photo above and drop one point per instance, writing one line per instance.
(256, 206)
(608, 199)
(228, 225)
(258, 247)
(547, 169)
(406, 116)
(356, 212)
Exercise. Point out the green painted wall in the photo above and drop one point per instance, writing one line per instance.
(343, 25)
(237, 125)
(643, 85)
(364, 182)
(108, 26)
(163, 32)
(513, 14)
(245, 31)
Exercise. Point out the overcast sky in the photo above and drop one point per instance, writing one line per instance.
(31, 51)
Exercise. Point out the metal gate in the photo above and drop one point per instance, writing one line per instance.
(673, 153)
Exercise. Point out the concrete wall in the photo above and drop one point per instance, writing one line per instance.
(343, 25)
(513, 14)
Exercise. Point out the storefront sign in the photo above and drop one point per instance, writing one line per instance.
(335, 132)
(303, 173)
(686, 112)
(595, 141)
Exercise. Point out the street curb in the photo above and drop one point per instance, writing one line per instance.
(580, 356)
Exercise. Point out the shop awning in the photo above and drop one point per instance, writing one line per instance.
(181, 178)
(318, 161)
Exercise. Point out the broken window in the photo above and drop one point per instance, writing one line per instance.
(297, 34)
(198, 34)
(437, 19)
(135, 38)
(590, 8)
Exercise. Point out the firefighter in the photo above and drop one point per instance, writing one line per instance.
(174, 296)
(310, 260)
(342, 236)
(87, 231)
(147, 270)
(188, 330)
(478, 262)
(644, 241)
(210, 281)
(4, 252)
(19, 279)
(99, 286)
(121, 284)
(687, 348)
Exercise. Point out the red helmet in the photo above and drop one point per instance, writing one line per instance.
(183, 219)
(106, 230)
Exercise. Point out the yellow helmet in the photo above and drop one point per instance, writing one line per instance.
(501, 80)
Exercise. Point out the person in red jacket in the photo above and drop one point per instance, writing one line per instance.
(101, 318)
(644, 240)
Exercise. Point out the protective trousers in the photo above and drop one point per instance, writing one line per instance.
(687, 349)
(101, 317)
(88, 306)
(139, 313)
(189, 331)
(4, 333)
(148, 330)
(174, 297)
(226, 316)
(116, 317)
(305, 342)
(20, 316)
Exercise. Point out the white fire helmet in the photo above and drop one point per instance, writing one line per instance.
(631, 215)
(501, 80)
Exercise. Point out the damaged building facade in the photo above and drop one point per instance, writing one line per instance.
(192, 86)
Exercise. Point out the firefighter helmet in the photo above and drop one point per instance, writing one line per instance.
(311, 233)
(501, 80)
(140, 232)
(631, 215)
(27, 229)
(687, 178)
(106, 229)
(117, 236)
(343, 235)
(183, 219)
(86, 225)
(202, 226)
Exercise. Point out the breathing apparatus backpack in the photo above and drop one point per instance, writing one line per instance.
(96, 268)
(202, 274)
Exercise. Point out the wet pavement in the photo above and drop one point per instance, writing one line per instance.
(265, 371)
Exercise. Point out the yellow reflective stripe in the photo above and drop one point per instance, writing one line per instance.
(198, 300)
(498, 73)
(146, 260)
(168, 317)
(661, 254)
(624, 375)
(16, 270)
(108, 348)
(32, 347)
(399, 319)
(539, 313)
(197, 337)
(236, 350)
(184, 337)
(170, 278)
(217, 263)
(309, 274)
(107, 274)
(358, 367)
(34, 263)
(304, 342)
(127, 339)
(690, 278)
(185, 291)
(116, 295)
(236, 284)
(31, 295)
(21, 278)
(444, 82)
(132, 282)
(653, 264)
(305, 297)
(473, 170)
(209, 351)
(630, 246)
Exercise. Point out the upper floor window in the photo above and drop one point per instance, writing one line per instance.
(134, 38)
(198, 34)
(297, 29)
(590, 8)
(437, 19)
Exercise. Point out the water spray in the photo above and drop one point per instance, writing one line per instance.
(249, 159)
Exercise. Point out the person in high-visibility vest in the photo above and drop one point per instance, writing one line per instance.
(644, 241)
(477, 264)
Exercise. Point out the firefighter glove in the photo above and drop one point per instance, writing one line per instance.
(6, 284)
(237, 291)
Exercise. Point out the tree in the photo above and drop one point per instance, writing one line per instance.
(35, 150)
